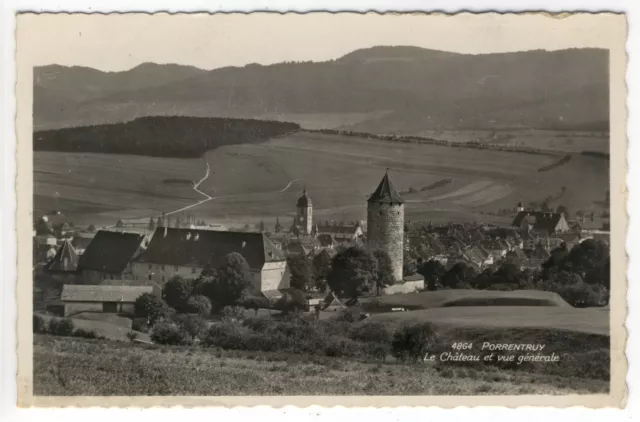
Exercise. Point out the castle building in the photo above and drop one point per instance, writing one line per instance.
(304, 214)
(385, 224)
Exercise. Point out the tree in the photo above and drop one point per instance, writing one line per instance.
(120, 223)
(414, 341)
(228, 283)
(321, 265)
(384, 270)
(158, 222)
(432, 271)
(151, 307)
(301, 273)
(176, 293)
(261, 227)
(353, 272)
(278, 227)
(458, 276)
(408, 267)
(199, 304)
(91, 228)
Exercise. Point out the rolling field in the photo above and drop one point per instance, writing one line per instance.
(250, 183)
(589, 320)
(102, 188)
(457, 297)
(554, 140)
(339, 173)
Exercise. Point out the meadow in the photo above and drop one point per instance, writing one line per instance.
(254, 182)
(72, 366)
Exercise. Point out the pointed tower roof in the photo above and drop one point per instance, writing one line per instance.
(66, 259)
(386, 193)
(304, 201)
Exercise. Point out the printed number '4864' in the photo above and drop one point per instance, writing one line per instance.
(462, 346)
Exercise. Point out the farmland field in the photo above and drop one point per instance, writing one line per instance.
(249, 183)
(102, 188)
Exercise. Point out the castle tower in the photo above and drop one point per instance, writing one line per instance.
(304, 215)
(385, 224)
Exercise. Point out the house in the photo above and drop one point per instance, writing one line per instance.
(81, 241)
(331, 303)
(478, 256)
(340, 233)
(99, 298)
(542, 222)
(186, 252)
(109, 256)
(156, 288)
(65, 260)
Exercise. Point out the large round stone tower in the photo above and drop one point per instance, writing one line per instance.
(385, 224)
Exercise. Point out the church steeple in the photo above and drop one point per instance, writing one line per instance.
(304, 213)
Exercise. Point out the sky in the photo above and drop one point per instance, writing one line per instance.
(118, 42)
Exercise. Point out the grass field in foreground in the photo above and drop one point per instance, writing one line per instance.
(69, 366)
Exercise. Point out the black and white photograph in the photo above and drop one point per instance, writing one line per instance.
(322, 205)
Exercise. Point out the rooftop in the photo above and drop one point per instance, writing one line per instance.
(386, 193)
(100, 293)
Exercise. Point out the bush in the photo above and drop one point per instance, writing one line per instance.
(339, 347)
(233, 313)
(579, 294)
(39, 325)
(131, 335)
(413, 341)
(85, 333)
(61, 327)
(256, 302)
(256, 323)
(377, 350)
(194, 325)
(140, 324)
(370, 332)
(167, 333)
(200, 305)
(226, 335)
(346, 315)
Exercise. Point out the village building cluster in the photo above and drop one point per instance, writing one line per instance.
(105, 270)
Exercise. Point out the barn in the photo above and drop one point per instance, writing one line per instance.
(101, 298)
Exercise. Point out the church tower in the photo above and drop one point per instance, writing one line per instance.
(385, 224)
(304, 215)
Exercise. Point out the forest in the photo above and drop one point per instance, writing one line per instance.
(161, 136)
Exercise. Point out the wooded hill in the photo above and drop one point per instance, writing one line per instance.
(393, 89)
(161, 136)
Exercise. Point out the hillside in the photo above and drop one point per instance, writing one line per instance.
(179, 137)
(380, 89)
